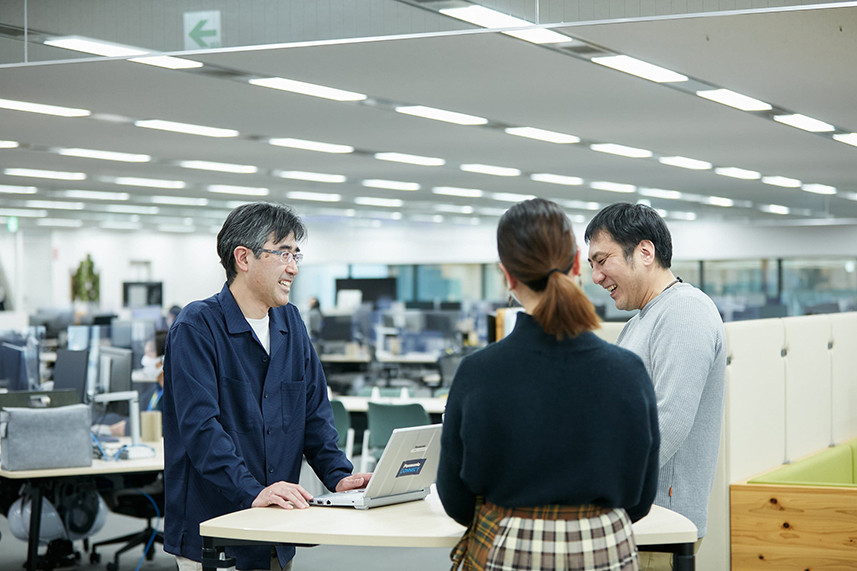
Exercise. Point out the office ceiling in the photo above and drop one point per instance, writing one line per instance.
(796, 60)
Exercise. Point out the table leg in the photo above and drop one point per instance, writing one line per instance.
(35, 526)
(684, 558)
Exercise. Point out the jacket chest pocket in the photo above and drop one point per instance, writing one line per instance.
(293, 406)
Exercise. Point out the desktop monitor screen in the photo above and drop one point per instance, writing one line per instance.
(14, 367)
(70, 371)
(336, 328)
(114, 369)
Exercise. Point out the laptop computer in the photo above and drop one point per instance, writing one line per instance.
(406, 470)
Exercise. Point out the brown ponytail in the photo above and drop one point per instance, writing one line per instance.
(536, 244)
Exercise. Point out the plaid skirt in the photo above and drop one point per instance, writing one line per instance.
(546, 538)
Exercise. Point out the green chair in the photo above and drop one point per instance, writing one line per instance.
(342, 420)
(382, 419)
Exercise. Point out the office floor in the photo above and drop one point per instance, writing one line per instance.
(13, 554)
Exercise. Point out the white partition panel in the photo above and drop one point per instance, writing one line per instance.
(755, 397)
(808, 416)
(843, 365)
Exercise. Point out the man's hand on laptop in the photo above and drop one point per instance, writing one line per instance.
(283, 494)
(353, 482)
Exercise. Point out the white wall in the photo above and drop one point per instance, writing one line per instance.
(189, 267)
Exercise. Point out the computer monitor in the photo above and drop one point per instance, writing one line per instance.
(114, 369)
(70, 371)
(13, 367)
(336, 328)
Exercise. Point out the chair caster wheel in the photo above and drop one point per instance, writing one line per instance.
(95, 558)
(112, 566)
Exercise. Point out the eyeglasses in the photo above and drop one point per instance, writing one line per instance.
(286, 257)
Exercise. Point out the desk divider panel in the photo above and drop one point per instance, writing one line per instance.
(843, 374)
(807, 365)
(755, 397)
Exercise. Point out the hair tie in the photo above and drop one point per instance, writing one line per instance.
(550, 272)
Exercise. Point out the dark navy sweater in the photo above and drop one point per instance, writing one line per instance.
(534, 421)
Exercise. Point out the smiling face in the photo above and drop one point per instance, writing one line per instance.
(269, 281)
(622, 277)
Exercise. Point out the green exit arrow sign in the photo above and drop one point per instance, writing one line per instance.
(202, 30)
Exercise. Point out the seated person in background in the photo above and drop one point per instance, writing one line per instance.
(550, 439)
(150, 398)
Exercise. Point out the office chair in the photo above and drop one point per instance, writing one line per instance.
(141, 496)
(342, 420)
(382, 419)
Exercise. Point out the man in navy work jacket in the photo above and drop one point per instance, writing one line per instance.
(244, 394)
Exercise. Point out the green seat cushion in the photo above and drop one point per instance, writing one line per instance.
(831, 467)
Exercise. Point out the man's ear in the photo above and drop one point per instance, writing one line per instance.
(646, 250)
(241, 255)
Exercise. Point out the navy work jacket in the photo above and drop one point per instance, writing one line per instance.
(237, 420)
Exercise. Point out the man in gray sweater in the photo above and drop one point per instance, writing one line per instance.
(679, 335)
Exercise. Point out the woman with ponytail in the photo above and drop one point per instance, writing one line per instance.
(550, 437)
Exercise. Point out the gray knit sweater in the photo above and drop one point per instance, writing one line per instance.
(680, 337)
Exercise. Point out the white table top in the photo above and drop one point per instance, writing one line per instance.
(422, 523)
(407, 358)
(361, 404)
(98, 467)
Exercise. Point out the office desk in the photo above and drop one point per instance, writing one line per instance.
(413, 524)
(98, 468)
(361, 404)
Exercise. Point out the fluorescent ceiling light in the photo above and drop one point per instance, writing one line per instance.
(130, 209)
(487, 18)
(391, 184)
(719, 201)
(312, 176)
(120, 225)
(454, 208)
(312, 89)
(428, 218)
(54, 204)
(180, 200)
(661, 193)
(542, 135)
(685, 163)
(241, 190)
(457, 191)
(149, 182)
(373, 201)
(847, 138)
(311, 145)
(23, 212)
(735, 172)
(441, 115)
(489, 211)
(621, 150)
(59, 222)
(316, 196)
(219, 167)
(678, 215)
(43, 109)
(168, 62)
(14, 189)
(581, 205)
(186, 128)
(733, 99)
(38, 173)
(511, 196)
(640, 68)
(95, 195)
(105, 155)
(612, 186)
(490, 169)
(556, 179)
(819, 188)
(774, 209)
(783, 181)
(410, 159)
(803, 122)
(96, 47)
(9, 144)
